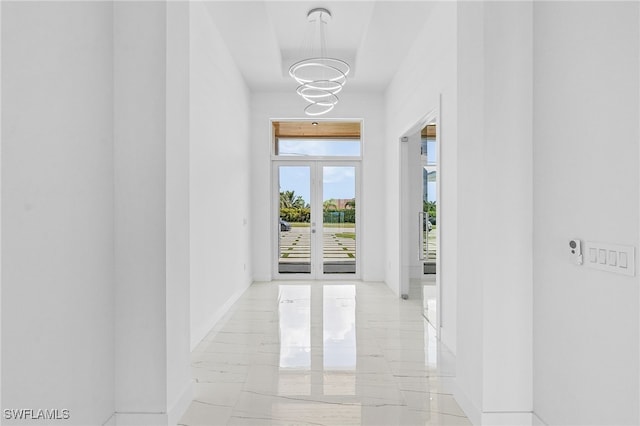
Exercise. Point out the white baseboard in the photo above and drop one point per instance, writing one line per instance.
(537, 421)
(180, 405)
(470, 410)
(448, 339)
(395, 290)
(111, 421)
(499, 418)
(204, 329)
(507, 419)
(171, 418)
(262, 278)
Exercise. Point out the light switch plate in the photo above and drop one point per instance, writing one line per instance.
(610, 257)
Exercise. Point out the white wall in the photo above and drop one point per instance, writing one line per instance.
(139, 152)
(57, 209)
(586, 186)
(580, 101)
(0, 205)
(428, 72)
(495, 211)
(178, 320)
(151, 151)
(470, 51)
(507, 204)
(221, 193)
(93, 263)
(288, 105)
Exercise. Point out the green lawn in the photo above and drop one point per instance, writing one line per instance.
(351, 235)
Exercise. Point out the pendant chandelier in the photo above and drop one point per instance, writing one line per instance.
(320, 78)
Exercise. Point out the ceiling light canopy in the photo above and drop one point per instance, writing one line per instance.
(320, 78)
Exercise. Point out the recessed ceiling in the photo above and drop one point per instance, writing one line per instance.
(264, 37)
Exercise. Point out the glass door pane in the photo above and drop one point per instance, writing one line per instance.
(429, 200)
(339, 219)
(429, 203)
(294, 243)
(429, 175)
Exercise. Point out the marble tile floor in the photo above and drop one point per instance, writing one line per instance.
(323, 353)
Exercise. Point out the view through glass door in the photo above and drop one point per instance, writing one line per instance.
(338, 184)
(429, 168)
(317, 220)
(429, 255)
(294, 243)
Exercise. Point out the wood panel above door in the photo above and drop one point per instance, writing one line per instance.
(429, 131)
(316, 129)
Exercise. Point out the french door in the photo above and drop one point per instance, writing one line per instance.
(316, 219)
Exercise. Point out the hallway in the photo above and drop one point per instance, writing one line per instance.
(324, 352)
(140, 175)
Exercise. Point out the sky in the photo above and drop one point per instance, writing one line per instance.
(337, 181)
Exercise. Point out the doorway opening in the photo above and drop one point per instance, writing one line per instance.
(429, 240)
(428, 161)
(316, 172)
(420, 218)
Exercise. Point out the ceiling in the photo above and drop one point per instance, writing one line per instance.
(266, 37)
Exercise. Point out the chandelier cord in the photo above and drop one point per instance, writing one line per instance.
(323, 40)
(320, 78)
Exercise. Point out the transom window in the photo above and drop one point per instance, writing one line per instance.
(318, 147)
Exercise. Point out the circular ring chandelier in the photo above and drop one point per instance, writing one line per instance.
(320, 78)
(320, 85)
(308, 70)
(318, 108)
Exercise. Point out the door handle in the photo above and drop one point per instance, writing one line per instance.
(421, 224)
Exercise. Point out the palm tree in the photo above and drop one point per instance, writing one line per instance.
(288, 199)
(430, 207)
(329, 205)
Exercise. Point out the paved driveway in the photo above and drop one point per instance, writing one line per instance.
(295, 245)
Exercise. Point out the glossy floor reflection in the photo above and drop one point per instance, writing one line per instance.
(323, 353)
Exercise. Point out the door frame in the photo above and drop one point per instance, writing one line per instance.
(316, 165)
(408, 218)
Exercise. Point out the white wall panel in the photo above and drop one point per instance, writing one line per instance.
(220, 169)
(586, 186)
(57, 209)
